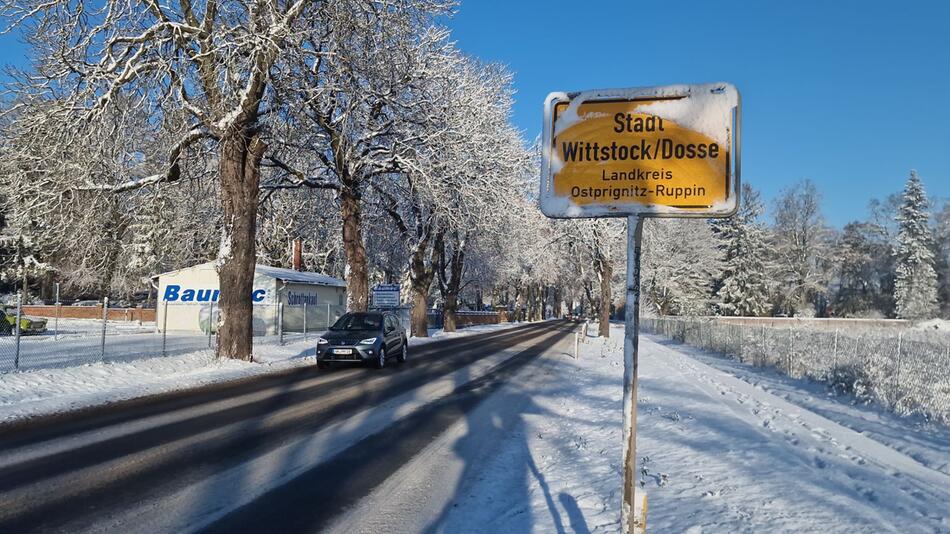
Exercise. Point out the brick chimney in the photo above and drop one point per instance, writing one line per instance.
(298, 254)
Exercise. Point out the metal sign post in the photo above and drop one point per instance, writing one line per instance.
(629, 521)
(56, 319)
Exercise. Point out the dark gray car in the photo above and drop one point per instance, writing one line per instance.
(363, 337)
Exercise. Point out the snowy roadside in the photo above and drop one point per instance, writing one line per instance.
(925, 441)
(45, 391)
(717, 455)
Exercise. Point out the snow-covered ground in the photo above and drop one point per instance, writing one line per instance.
(723, 447)
(718, 454)
(93, 327)
(41, 391)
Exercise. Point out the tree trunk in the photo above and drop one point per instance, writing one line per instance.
(420, 279)
(451, 286)
(538, 308)
(420, 307)
(357, 275)
(588, 305)
(450, 313)
(606, 273)
(239, 173)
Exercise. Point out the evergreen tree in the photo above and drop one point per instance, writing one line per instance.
(865, 267)
(942, 262)
(742, 289)
(915, 287)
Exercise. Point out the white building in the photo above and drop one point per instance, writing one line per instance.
(188, 297)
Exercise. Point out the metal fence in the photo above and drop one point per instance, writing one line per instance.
(906, 371)
(178, 329)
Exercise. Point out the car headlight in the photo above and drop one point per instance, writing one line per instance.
(368, 341)
(321, 341)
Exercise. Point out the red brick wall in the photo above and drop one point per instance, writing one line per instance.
(465, 319)
(92, 312)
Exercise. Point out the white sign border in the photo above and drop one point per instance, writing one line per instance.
(560, 208)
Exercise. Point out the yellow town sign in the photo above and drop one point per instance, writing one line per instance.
(651, 151)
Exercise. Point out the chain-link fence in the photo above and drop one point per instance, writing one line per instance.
(907, 371)
(31, 340)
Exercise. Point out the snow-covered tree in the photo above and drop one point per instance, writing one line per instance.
(223, 65)
(354, 97)
(453, 176)
(743, 288)
(915, 286)
(800, 240)
(679, 264)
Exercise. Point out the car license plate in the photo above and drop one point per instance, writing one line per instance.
(342, 351)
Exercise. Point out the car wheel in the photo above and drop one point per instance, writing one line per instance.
(381, 358)
(404, 353)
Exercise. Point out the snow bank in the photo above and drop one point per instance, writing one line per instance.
(46, 391)
(51, 390)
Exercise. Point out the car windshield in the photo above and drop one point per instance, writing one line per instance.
(358, 321)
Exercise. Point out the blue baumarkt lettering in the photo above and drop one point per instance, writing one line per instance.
(174, 293)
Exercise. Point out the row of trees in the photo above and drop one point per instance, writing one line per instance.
(151, 136)
(894, 264)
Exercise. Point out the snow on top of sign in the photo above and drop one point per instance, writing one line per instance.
(706, 108)
(706, 111)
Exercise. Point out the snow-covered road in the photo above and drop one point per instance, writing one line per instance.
(718, 454)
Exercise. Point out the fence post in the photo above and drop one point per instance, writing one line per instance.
(16, 329)
(897, 370)
(737, 331)
(328, 315)
(305, 321)
(788, 358)
(577, 337)
(164, 327)
(280, 322)
(210, 323)
(56, 319)
(105, 317)
(834, 353)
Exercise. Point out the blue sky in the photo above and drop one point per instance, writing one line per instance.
(849, 94)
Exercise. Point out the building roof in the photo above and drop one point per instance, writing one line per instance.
(287, 275)
(300, 277)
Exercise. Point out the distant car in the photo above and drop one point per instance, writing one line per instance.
(363, 337)
(86, 303)
(28, 325)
